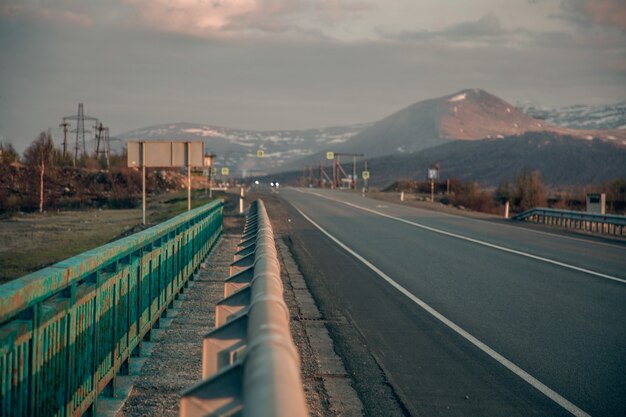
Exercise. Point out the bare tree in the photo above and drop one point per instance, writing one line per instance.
(530, 190)
(8, 154)
(39, 154)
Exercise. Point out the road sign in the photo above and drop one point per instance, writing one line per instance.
(366, 175)
(225, 171)
(330, 155)
(260, 153)
(432, 174)
(165, 154)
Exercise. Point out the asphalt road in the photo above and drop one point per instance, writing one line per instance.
(470, 317)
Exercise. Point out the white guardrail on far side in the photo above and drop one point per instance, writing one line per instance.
(250, 365)
(610, 224)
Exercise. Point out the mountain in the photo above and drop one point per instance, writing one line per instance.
(467, 115)
(237, 149)
(562, 160)
(581, 116)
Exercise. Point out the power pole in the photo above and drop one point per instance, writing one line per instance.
(321, 183)
(323, 175)
(365, 179)
(208, 161)
(354, 172)
(102, 136)
(338, 167)
(80, 131)
(65, 125)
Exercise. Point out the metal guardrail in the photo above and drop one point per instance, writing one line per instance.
(66, 331)
(250, 365)
(600, 223)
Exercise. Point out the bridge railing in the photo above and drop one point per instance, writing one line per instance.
(66, 331)
(600, 223)
(250, 365)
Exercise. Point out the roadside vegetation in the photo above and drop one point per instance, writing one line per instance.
(52, 209)
(43, 179)
(524, 192)
(31, 241)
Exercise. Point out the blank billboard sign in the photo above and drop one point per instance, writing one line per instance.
(165, 154)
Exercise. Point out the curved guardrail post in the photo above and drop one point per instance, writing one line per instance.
(250, 364)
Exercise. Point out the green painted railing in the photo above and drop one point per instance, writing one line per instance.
(66, 331)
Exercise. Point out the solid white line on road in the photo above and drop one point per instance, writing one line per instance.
(540, 232)
(554, 396)
(480, 242)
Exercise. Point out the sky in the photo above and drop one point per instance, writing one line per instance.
(295, 64)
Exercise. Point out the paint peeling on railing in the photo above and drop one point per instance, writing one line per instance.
(66, 331)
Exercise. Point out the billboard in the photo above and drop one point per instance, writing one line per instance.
(165, 154)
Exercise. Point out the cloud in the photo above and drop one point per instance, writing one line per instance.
(608, 12)
(30, 11)
(586, 13)
(487, 28)
(236, 18)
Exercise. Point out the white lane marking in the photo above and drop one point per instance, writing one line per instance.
(480, 242)
(534, 382)
(456, 216)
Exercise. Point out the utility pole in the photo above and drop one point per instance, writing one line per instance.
(354, 172)
(321, 183)
(208, 162)
(65, 126)
(323, 175)
(80, 130)
(102, 135)
(365, 180)
(311, 176)
(337, 167)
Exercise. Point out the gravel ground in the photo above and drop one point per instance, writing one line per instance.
(175, 362)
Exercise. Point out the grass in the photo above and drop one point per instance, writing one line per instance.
(33, 241)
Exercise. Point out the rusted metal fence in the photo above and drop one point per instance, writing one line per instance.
(609, 224)
(66, 331)
(250, 364)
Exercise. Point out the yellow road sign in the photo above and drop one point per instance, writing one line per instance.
(366, 175)
(260, 153)
(225, 171)
(330, 155)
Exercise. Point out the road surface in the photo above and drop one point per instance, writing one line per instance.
(472, 317)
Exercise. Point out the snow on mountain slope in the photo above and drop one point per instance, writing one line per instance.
(581, 116)
(237, 149)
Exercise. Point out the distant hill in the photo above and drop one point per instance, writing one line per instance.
(468, 115)
(562, 160)
(237, 149)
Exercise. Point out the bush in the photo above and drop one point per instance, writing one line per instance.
(471, 196)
